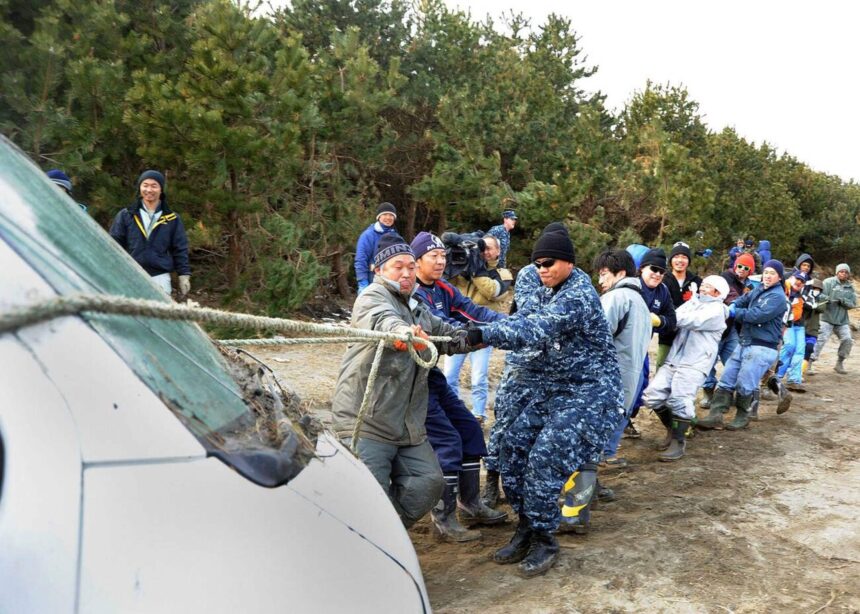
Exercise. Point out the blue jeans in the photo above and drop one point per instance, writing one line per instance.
(724, 352)
(611, 447)
(480, 360)
(745, 368)
(791, 355)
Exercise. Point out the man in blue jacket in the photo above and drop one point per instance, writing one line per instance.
(761, 314)
(386, 215)
(454, 433)
(153, 234)
(570, 398)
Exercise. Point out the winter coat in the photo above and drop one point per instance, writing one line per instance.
(701, 322)
(760, 314)
(659, 302)
(166, 248)
(365, 248)
(575, 357)
(812, 310)
(630, 325)
(840, 298)
(733, 255)
(680, 293)
(488, 288)
(764, 250)
(800, 260)
(448, 303)
(504, 238)
(398, 400)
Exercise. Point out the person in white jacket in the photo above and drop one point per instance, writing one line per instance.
(672, 393)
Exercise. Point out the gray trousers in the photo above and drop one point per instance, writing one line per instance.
(409, 474)
(674, 387)
(843, 331)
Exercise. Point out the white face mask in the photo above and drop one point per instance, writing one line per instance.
(707, 298)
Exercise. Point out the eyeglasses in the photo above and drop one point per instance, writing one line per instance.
(656, 270)
(546, 263)
(743, 267)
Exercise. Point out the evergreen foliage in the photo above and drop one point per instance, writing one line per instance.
(280, 134)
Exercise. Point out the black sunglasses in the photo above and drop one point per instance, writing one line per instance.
(657, 270)
(546, 263)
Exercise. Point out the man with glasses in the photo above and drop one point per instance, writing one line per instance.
(571, 400)
(738, 279)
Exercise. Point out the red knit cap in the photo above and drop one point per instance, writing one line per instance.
(747, 260)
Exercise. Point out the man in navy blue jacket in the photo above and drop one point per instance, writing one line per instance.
(761, 315)
(454, 433)
(365, 249)
(153, 234)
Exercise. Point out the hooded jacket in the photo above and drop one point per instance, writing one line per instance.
(680, 293)
(165, 249)
(701, 322)
(840, 298)
(630, 326)
(659, 302)
(804, 258)
(764, 250)
(760, 314)
(398, 400)
(365, 249)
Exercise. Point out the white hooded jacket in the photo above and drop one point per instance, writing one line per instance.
(701, 322)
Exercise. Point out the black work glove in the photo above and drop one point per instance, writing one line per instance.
(475, 335)
(459, 343)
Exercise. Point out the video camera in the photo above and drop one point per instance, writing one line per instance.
(463, 253)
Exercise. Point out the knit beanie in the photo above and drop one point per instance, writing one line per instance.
(654, 257)
(61, 179)
(555, 244)
(681, 248)
(843, 267)
(425, 242)
(151, 175)
(390, 245)
(719, 284)
(555, 227)
(746, 260)
(776, 265)
(386, 208)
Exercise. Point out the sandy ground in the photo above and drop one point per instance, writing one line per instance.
(763, 520)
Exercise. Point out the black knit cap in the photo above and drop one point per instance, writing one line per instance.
(654, 257)
(385, 208)
(555, 227)
(554, 244)
(681, 248)
(390, 245)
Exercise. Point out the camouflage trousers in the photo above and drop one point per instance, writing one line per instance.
(555, 432)
(510, 400)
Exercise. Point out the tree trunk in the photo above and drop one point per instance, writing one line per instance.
(340, 275)
(410, 220)
(236, 256)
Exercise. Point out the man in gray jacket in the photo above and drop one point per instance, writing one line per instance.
(392, 439)
(840, 296)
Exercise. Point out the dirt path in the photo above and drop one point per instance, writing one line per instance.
(763, 520)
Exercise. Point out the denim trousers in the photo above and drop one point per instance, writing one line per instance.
(480, 360)
(791, 355)
(746, 367)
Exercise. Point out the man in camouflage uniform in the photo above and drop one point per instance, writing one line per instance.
(569, 393)
(502, 232)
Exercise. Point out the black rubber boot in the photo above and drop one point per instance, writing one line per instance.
(665, 415)
(707, 397)
(518, 547)
(784, 397)
(579, 492)
(678, 444)
(542, 554)
(444, 515)
(719, 405)
(604, 494)
(472, 509)
(742, 417)
(491, 495)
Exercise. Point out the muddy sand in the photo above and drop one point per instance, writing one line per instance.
(762, 520)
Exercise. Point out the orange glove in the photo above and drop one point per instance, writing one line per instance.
(402, 346)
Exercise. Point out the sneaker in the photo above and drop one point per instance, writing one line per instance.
(631, 432)
(614, 462)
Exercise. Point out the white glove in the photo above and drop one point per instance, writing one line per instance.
(694, 288)
(184, 284)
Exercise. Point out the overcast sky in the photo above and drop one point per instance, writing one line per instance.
(782, 72)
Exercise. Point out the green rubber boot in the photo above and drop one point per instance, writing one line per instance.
(742, 417)
(720, 404)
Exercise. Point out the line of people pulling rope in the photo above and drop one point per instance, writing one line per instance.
(575, 369)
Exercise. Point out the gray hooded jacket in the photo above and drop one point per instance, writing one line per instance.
(701, 322)
(630, 325)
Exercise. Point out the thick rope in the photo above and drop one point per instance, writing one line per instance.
(74, 304)
(365, 402)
